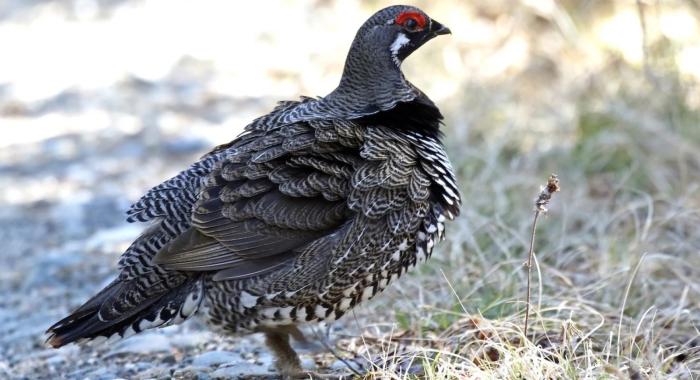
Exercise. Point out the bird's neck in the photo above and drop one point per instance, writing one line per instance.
(372, 81)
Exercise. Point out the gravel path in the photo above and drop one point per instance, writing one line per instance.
(64, 193)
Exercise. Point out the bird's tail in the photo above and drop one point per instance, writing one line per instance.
(125, 308)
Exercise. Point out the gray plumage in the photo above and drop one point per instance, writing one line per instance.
(316, 207)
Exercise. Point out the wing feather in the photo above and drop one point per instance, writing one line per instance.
(267, 200)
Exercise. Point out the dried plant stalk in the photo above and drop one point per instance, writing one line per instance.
(541, 203)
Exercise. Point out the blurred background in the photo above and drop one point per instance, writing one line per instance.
(102, 99)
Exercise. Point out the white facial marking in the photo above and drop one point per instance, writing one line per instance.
(401, 41)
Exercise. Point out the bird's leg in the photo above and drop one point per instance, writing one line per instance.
(295, 333)
(301, 339)
(288, 363)
(287, 360)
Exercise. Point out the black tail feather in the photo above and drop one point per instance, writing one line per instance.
(85, 323)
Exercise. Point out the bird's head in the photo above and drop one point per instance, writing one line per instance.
(410, 28)
(372, 78)
(396, 32)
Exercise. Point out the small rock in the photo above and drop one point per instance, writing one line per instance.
(215, 358)
(308, 364)
(235, 371)
(101, 373)
(154, 373)
(191, 339)
(142, 344)
(55, 359)
(190, 373)
(349, 365)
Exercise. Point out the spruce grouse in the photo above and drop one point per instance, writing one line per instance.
(314, 208)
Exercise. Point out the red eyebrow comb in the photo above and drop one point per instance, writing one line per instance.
(403, 17)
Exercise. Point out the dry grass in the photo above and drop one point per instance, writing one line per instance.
(616, 291)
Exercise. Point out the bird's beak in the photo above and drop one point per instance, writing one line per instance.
(437, 29)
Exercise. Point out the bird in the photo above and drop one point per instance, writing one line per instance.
(313, 209)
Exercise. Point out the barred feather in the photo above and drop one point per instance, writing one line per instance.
(315, 208)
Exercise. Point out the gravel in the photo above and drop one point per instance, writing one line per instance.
(62, 227)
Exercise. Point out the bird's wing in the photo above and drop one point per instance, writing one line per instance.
(276, 191)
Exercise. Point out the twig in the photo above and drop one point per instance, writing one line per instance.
(324, 342)
(645, 38)
(541, 203)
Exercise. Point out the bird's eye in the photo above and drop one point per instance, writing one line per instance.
(410, 23)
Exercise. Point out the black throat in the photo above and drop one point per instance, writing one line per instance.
(419, 115)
